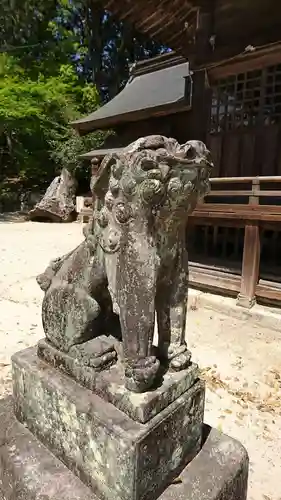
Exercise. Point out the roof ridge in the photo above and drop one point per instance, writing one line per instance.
(156, 63)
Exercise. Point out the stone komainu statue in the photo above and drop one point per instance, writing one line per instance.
(133, 261)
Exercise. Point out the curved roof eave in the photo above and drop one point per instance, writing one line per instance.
(150, 94)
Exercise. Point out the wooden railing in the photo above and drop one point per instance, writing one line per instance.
(234, 238)
(256, 201)
(241, 217)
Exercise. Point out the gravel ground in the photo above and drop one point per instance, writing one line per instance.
(240, 361)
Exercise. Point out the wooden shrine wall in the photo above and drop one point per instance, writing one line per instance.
(234, 237)
(244, 133)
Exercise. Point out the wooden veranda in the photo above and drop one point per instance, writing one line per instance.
(234, 239)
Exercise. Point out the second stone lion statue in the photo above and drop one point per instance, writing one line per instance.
(133, 262)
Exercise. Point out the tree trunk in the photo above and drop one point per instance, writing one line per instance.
(58, 203)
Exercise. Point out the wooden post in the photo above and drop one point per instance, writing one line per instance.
(251, 257)
(250, 266)
(201, 106)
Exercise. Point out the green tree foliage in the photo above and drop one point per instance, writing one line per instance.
(34, 125)
(107, 47)
(58, 60)
(43, 33)
(25, 30)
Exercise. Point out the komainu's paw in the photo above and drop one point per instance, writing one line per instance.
(140, 375)
(98, 353)
(179, 357)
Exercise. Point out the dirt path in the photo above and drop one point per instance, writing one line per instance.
(240, 361)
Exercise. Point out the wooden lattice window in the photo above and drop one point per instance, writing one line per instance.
(272, 105)
(247, 99)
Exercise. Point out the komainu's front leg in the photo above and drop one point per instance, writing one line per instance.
(171, 298)
(136, 295)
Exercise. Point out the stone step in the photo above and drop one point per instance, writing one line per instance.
(27, 468)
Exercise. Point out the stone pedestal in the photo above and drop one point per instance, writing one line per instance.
(109, 384)
(115, 455)
(68, 442)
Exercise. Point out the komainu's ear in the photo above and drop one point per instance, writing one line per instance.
(101, 179)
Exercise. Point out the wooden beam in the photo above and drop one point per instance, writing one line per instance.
(247, 61)
(269, 292)
(217, 280)
(84, 127)
(171, 23)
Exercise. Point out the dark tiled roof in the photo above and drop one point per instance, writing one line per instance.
(149, 92)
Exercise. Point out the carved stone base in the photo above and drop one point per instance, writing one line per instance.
(110, 384)
(245, 302)
(28, 471)
(117, 457)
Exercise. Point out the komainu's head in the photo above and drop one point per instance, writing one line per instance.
(153, 172)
